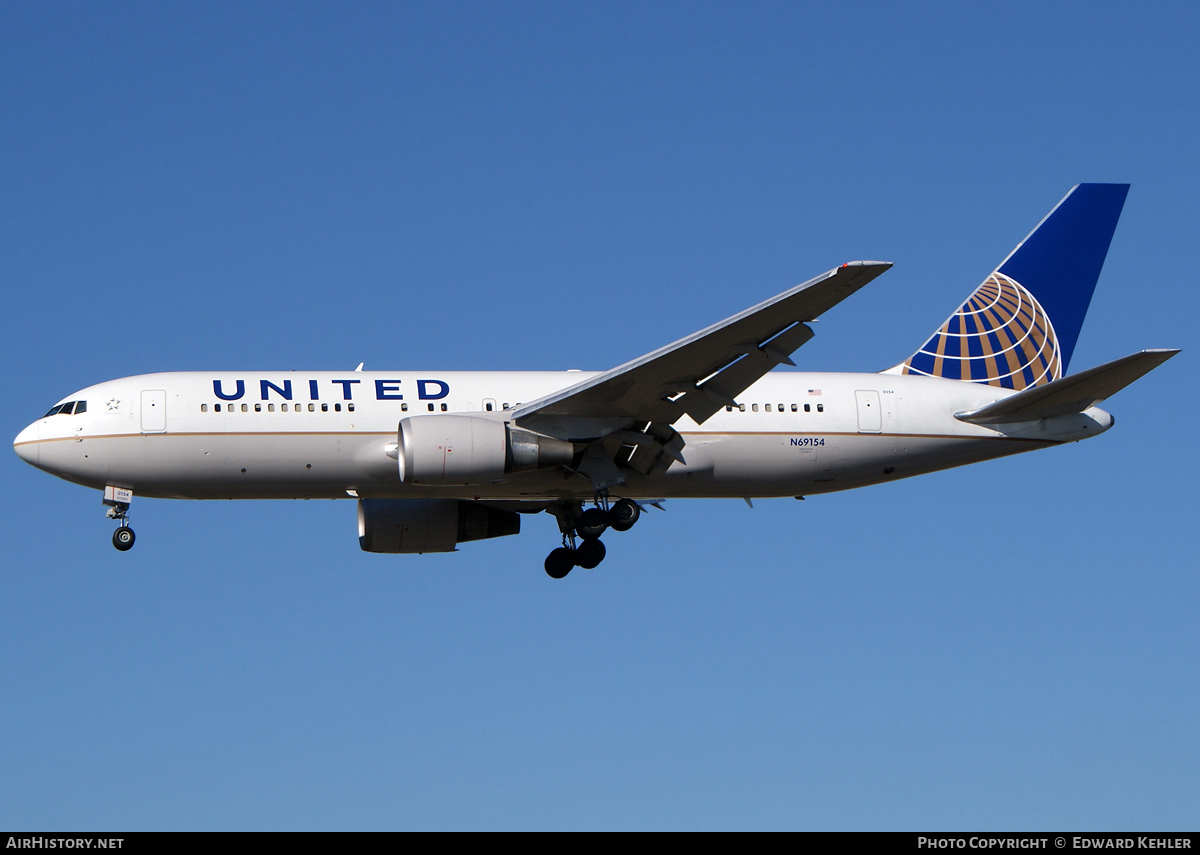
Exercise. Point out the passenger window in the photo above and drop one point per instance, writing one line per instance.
(741, 408)
(204, 407)
(443, 408)
(270, 408)
(349, 408)
(488, 406)
(728, 409)
(337, 408)
(820, 408)
(431, 408)
(324, 408)
(216, 408)
(781, 408)
(404, 407)
(311, 408)
(793, 408)
(506, 405)
(754, 407)
(283, 408)
(258, 408)
(768, 408)
(245, 409)
(808, 408)
(80, 407)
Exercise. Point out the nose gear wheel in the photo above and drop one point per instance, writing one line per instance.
(123, 538)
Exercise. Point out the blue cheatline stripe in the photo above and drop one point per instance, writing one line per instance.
(1059, 263)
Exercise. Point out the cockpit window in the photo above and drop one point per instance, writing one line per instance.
(66, 409)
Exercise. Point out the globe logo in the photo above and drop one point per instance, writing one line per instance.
(1000, 336)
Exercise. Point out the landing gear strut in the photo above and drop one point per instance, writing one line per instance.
(587, 525)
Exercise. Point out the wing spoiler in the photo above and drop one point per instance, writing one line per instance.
(1072, 394)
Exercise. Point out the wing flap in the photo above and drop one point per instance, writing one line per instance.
(1072, 394)
(722, 388)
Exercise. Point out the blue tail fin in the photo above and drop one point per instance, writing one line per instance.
(1020, 326)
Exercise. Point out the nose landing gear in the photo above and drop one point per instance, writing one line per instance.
(118, 501)
(587, 525)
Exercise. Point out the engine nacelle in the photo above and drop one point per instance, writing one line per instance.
(462, 450)
(428, 525)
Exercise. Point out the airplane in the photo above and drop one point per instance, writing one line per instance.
(435, 459)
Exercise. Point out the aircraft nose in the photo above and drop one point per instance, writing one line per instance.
(26, 444)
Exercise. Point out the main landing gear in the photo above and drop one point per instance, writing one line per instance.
(587, 526)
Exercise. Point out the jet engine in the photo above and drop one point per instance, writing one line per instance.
(428, 525)
(463, 450)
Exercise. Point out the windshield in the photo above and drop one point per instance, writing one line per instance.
(66, 409)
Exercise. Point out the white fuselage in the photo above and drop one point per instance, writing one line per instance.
(328, 435)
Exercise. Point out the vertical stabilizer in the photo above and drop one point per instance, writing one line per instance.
(1019, 328)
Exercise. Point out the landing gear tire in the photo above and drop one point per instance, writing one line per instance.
(559, 562)
(624, 514)
(589, 554)
(592, 523)
(123, 538)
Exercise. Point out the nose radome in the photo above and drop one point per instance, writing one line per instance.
(26, 444)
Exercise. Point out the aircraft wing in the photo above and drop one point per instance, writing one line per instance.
(1072, 394)
(707, 370)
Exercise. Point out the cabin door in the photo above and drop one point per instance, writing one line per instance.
(870, 417)
(154, 411)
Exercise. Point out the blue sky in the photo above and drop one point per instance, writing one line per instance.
(463, 186)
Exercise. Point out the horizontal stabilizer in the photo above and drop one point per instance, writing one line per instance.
(1072, 394)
